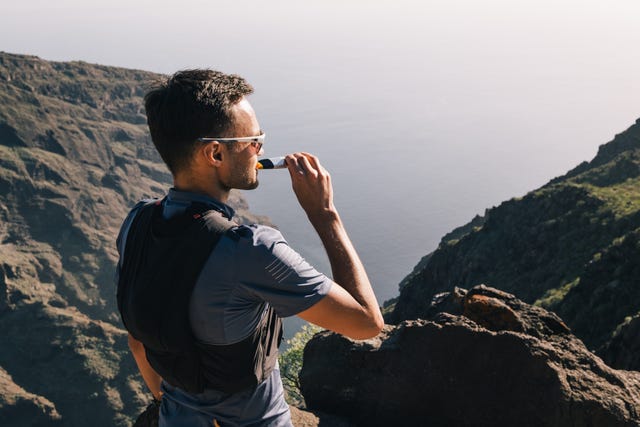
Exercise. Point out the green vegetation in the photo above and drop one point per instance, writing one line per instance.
(621, 199)
(553, 297)
(291, 363)
(571, 246)
(624, 323)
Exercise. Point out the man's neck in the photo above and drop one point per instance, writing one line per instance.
(199, 186)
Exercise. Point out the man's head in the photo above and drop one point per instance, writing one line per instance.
(193, 104)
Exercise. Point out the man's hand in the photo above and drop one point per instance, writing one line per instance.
(350, 308)
(312, 185)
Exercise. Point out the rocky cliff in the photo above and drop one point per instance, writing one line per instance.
(477, 358)
(75, 155)
(570, 246)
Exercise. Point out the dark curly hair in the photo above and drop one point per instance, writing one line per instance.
(188, 105)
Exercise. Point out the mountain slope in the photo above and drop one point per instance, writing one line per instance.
(570, 246)
(75, 155)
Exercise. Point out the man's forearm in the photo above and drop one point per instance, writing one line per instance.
(350, 308)
(346, 266)
(149, 375)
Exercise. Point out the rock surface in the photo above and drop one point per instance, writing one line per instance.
(19, 407)
(481, 358)
(304, 418)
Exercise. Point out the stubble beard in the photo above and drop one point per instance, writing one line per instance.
(250, 180)
(253, 185)
(242, 181)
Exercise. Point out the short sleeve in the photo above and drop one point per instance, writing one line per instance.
(268, 269)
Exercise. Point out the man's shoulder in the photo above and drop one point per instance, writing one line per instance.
(137, 207)
(128, 221)
(257, 235)
(258, 246)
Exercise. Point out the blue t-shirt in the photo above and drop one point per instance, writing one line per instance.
(250, 268)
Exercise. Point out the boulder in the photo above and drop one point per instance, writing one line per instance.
(495, 361)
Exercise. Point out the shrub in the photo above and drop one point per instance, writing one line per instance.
(291, 362)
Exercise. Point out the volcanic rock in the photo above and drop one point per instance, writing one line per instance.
(496, 362)
(19, 407)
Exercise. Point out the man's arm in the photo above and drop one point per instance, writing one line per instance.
(149, 375)
(350, 308)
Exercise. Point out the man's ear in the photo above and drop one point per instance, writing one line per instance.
(213, 153)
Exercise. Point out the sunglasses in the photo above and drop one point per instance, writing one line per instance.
(255, 141)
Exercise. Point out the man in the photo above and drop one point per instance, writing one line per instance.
(245, 279)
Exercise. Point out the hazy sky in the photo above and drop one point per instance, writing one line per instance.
(568, 52)
(521, 85)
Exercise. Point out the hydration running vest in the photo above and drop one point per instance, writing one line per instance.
(162, 264)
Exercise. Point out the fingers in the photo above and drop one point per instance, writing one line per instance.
(295, 167)
(307, 167)
(292, 164)
(313, 160)
(304, 164)
(315, 163)
(311, 184)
